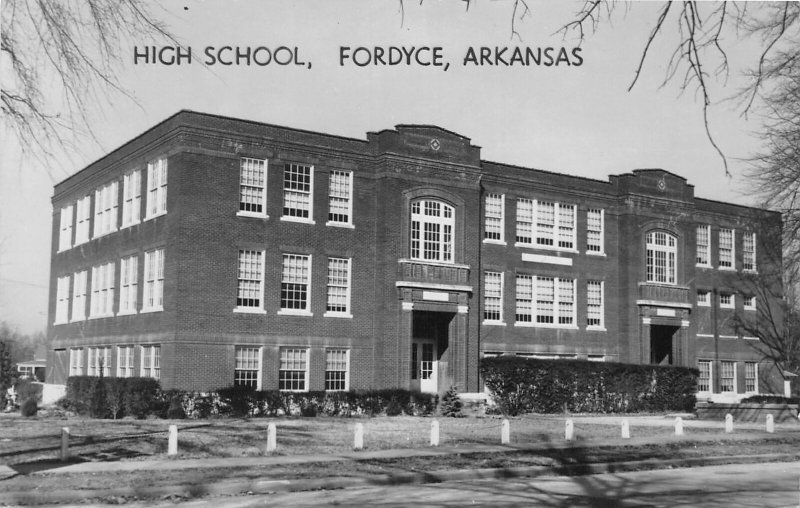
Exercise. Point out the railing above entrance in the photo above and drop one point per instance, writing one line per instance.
(440, 273)
(658, 294)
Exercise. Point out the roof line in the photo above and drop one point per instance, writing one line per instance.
(546, 171)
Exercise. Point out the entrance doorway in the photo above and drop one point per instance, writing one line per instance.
(429, 341)
(662, 344)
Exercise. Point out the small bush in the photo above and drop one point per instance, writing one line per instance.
(451, 404)
(771, 399)
(29, 407)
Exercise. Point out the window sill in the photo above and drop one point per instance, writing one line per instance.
(345, 225)
(706, 335)
(249, 310)
(125, 226)
(546, 247)
(703, 266)
(749, 309)
(749, 271)
(727, 269)
(81, 242)
(293, 312)
(729, 337)
(600, 254)
(58, 323)
(59, 251)
(252, 215)
(127, 313)
(494, 242)
(596, 329)
(345, 315)
(299, 220)
(77, 320)
(704, 305)
(151, 309)
(546, 325)
(728, 307)
(493, 323)
(149, 217)
(100, 316)
(101, 235)
(751, 338)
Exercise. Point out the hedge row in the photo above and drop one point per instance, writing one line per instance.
(142, 397)
(523, 385)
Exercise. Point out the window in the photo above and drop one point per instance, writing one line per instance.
(749, 302)
(703, 245)
(727, 379)
(128, 284)
(493, 297)
(125, 361)
(525, 221)
(703, 298)
(248, 360)
(726, 249)
(99, 360)
(105, 209)
(252, 187)
(295, 283)
(82, 220)
(524, 312)
(594, 304)
(65, 228)
(156, 188)
(566, 302)
(749, 252)
(704, 380)
(555, 225)
(76, 362)
(660, 257)
(545, 223)
(153, 281)
(293, 370)
(297, 186)
(131, 198)
(79, 296)
(595, 222)
(340, 198)
(432, 224)
(250, 281)
(102, 302)
(750, 377)
(494, 215)
(151, 361)
(62, 300)
(336, 368)
(555, 301)
(726, 301)
(545, 295)
(338, 302)
(566, 226)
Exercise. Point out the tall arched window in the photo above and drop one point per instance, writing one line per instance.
(662, 250)
(432, 225)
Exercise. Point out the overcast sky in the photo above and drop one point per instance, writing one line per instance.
(575, 119)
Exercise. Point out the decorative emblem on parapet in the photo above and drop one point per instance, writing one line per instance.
(662, 184)
(435, 144)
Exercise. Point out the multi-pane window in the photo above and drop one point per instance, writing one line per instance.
(79, 296)
(566, 301)
(545, 223)
(65, 228)
(128, 284)
(703, 298)
(749, 302)
(495, 210)
(595, 218)
(336, 368)
(749, 251)
(566, 226)
(99, 361)
(727, 378)
(726, 248)
(83, 219)
(704, 379)
(62, 300)
(105, 209)
(555, 225)
(131, 198)
(340, 197)
(594, 303)
(156, 188)
(726, 300)
(247, 366)
(432, 224)
(151, 362)
(297, 186)
(525, 212)
(660, 257)
(555, 301)
(250, 280)
(750, 377)
(703, 257)
(493, 297)
(545, 297)
(295, 282)
(102, 301)
(125, 361)
(338, 301)
(76, 362)
(293, 369)
(153, 297)
(524, 299)
(253, 186)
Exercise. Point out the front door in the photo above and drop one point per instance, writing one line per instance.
(425, 366)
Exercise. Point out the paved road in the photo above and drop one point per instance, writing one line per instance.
(733, 486)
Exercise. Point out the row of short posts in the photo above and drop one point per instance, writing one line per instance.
(358, 438)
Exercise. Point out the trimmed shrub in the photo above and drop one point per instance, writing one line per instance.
(451, 404)
(523, 385)
(29, 407)
(113, 397)
(770, 399)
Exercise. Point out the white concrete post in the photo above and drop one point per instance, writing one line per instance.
(505, 432)
(728, 423)
(172, 448)
(569, 430)
(64, 443)
(787, 388)
(358, 442)
(626, 429)
(435, 433)
(272, 440)
(770, 424)
(678, 426)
